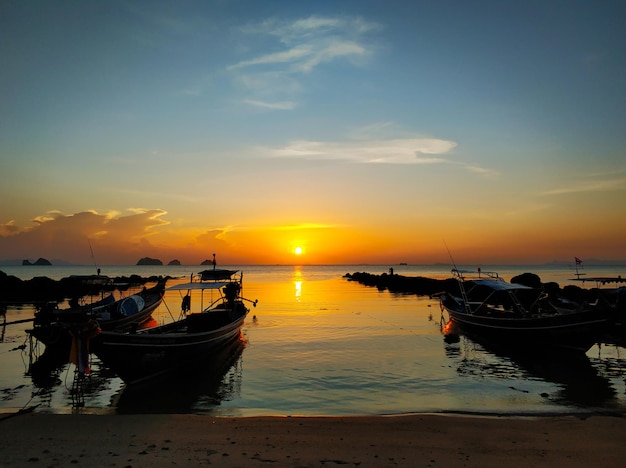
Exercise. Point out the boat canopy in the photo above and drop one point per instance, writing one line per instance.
(197, 285)
(601, 279)
(499, 285)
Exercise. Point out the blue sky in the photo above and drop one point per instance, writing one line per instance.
(356, 126)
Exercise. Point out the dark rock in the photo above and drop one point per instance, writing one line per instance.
(174, 262)
(551, 288)
(528, 279)
(577, 294)
(149, 261)
(404, 284)
(41, 290)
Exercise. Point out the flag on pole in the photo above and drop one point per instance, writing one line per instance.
(578, 261)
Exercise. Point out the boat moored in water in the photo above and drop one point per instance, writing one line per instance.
(191, 343)
(520, 316)
(55, 327)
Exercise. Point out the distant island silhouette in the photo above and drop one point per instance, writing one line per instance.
(40, 261)
(149, 261)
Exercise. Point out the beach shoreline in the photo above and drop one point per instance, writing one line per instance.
(32, 439)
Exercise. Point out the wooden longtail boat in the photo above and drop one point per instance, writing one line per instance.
(184, 345)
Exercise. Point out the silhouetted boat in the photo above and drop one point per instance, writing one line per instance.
(521, 316)
(613, 297)
(216, 274)
(186, 345)
(55, 327)
(196, 392)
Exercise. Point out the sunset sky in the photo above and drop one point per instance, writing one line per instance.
(360, 131)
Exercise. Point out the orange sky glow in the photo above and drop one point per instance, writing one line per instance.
(125, 238)
(362, 132)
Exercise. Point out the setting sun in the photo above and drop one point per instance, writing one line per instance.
(310, 172)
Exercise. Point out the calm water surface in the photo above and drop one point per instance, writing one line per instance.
(318, 344)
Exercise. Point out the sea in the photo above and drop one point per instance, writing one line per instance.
(317, 343)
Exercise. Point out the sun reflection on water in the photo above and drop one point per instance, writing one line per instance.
(298, 282)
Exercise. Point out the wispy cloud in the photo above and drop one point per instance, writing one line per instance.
(305, 58)
(9, 228)
(379, 143)
(605, 185)
(406, 150)
(288, 56)
(481, 170)
(311, 28)
(283, 105)
(299, 47)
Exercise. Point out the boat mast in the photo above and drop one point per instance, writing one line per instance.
(459, 277)
(93, 258)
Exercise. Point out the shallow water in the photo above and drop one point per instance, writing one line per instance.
(318, 344)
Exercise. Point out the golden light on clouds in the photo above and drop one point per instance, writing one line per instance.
(124, 238)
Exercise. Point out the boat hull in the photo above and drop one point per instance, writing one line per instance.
(177, 347)
(56, 330)
(574, 330)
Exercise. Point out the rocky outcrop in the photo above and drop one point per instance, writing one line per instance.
(40, 290)
(528, 279)
(404, 284)
(174, 262)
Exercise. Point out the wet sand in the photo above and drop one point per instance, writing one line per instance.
(411, 440)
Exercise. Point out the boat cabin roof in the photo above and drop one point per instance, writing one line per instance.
(216, 274)
(197, 285)
(601, 279)
(499, 285)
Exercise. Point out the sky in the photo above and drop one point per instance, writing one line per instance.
(358, 131)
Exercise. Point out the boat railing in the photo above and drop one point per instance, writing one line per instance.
(601, 280)
(212, 305)
(467, 275)
(464, 275)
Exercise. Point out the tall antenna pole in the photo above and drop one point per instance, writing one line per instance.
(450, 255)
(459, 277)
(93, 258)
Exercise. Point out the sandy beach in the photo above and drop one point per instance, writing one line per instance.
(370, 441)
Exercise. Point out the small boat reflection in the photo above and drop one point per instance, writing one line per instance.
(198, 392)
(45, 365)
(51, 372)
(578, 380)
(45, 371)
